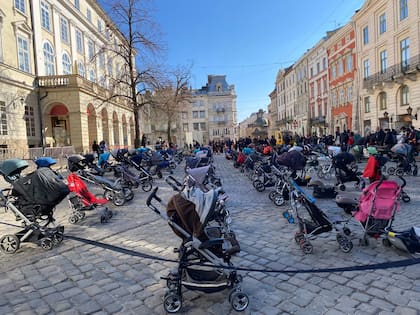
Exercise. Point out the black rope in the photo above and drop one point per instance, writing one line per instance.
(384, 265)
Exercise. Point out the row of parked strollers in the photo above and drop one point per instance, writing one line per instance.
(289, 175)
(196, 212)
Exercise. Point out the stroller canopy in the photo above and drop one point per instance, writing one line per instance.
(45, 161)
(12, 167)
(198, 174)
(74, 162)
(402, 148)
(292, 159)
(342, 159)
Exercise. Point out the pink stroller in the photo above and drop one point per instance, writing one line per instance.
(377, 207)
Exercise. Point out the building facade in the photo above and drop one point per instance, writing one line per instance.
(57, 73)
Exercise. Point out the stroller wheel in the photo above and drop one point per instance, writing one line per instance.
(406, 198)
(346, 231)
(272, 195)
(109, 214)
(327, 176)
(259, 185)
(238, 300)
(73, 219)
(9, 244)
(172, 302)
(108, 195)
(307, 247)
(399, 172)
(80, 215)
(390, 170)
(363, 241)
(299, 237)
(386, 242)
(278, 200)
(345, 244)
(342, 187)
(415, 171)
(104, 219)
(128, 194)
(146, 187)
(119, 199)
(46, 243)
(57, 238)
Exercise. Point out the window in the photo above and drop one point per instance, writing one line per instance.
(92, 76)
(99, 26)
(64, 30)
(403, 9)
(382, 23)
(349, 93)
(79, 42)
(30, 121)
(81, 69)
(405, 53)
(312, 72)
(202, 126)
(77, 4)
(333, 71)
(202, 114)
(184, 115)
(196, 126)
(365, 35)
(318, 68)
(366, 69)
(20, 5)
(3, 119)
(110, 67)
(101, 59)
(382, 100)
(405, 95)
(45, 16)
(367, 104)
(384, 61)
(48, 59)
(91, 50)
(340, 68)
(66, 64)
(324, 63)
(195, 114)
(185, 127)
(23, 54)
(89, 15)
(349, 62)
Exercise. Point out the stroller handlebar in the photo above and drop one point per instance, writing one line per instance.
(153, 196)
(175, 184)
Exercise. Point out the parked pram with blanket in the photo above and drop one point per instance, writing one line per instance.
(200, 245)
(346, 170)
(295, 161)
(32, 199)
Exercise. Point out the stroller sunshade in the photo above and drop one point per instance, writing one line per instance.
(13, 167)
(45, 161)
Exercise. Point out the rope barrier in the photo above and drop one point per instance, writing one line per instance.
(384, 265)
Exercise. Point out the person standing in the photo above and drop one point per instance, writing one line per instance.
(95, 148)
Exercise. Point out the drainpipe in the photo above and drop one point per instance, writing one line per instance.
(34, 44)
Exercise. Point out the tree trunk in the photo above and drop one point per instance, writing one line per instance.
(137, 141)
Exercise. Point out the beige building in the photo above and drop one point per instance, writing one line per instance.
(387, 40)
(256, 126)
(56, 76)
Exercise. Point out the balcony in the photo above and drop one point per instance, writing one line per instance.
(394, 74)
(320, 120)
(220, 110)
(281, 122)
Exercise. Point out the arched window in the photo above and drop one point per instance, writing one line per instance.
(382, 100)
(81, 69)
(404, 95)
(92, 76)
(66, 64)
(49, 59)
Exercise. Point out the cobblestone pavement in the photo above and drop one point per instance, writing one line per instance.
(78, 278)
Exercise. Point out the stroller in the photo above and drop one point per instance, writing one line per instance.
(114, 191)
(401, 153)
(312, 221)
(203, 254)
(32, 200)
(265, 177)
(346, 170)
(377, 207)
(295, 161)
(82, 200)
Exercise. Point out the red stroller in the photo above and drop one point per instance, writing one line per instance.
(377, 207)
(82, 200)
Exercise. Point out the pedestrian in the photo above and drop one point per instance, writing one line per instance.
(95, 148)
(143, 140)
(102, 146)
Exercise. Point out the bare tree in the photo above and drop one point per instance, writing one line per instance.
(171, 97)
(138, 45)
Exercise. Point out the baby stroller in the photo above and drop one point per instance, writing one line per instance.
(377, 207)
(295, 161)
(265, 177)
(32, 200)
(312, 221)
(346, 170)
(408, 240)
(83, 200)
(401, 153)
(203, 254)
(114, 191)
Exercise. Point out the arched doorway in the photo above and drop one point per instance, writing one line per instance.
(124, 130)
(116, 129)
(92, 128)
(59, 134)
(105, 126)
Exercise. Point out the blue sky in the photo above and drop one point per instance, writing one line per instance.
(248, 41)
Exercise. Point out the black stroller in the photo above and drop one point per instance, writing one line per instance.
(313, 221)
(346, 170)
(203, 254)
(32, 200)
(295, 162)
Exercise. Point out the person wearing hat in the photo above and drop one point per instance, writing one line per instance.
(372, 170)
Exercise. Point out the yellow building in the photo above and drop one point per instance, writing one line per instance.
(56, 78)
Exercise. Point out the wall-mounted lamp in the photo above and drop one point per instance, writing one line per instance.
(410, 112)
